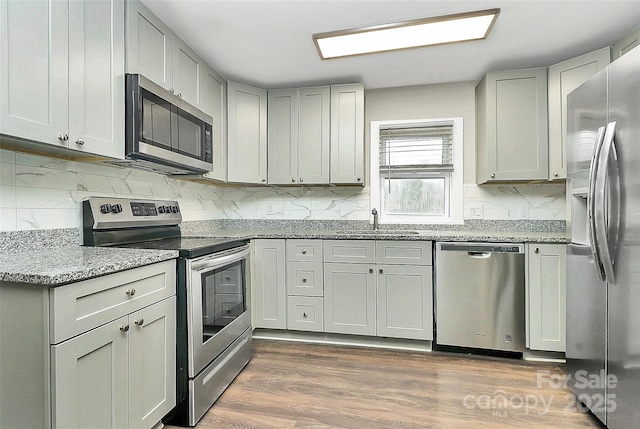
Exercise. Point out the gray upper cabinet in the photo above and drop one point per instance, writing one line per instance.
(347, 134)
(564, 77)
(149, 45)
(156, 53)
(63, 74)
(215, 105)
(626, 44)
(298, 143)
(247, 133)
(511, 121)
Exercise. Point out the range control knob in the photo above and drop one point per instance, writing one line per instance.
(116, 208)
(105, 208)
(161, 209)
(175, 209)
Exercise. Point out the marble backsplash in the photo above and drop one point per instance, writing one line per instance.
(41, 192)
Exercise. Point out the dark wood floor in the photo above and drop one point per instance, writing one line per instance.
(295, 385)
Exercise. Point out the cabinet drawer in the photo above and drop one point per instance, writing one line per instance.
(305, 278)
(358, 251)
(305, 313)
(304, 250)
(81, 306)
(404, 252)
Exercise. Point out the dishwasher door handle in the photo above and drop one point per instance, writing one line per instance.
(479, 255)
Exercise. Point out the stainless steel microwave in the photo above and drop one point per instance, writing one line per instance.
(164, 133)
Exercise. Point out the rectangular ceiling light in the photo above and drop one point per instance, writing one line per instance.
(408, 34)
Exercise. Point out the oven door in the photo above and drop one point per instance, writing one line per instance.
(217, 304)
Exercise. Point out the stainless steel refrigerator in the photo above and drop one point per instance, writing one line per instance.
(603, 257)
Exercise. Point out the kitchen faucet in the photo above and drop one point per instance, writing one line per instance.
(374, 212)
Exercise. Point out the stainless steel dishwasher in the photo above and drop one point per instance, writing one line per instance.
(480, 295)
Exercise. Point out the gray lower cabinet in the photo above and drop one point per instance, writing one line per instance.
(546, 296)
(269, 283)
(96, 353)
(350, 298)
(405, 302)
(305, 285)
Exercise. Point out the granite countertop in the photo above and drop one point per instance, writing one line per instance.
(61, 265)
(54, 257)
(405, 235)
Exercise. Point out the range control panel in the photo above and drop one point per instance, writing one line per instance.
(109, 212)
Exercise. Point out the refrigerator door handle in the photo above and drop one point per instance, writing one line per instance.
(607, 201)
(591, 202)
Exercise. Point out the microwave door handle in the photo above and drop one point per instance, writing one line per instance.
(606, 192)
(591, 202)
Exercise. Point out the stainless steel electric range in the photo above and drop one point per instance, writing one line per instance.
(213, 317)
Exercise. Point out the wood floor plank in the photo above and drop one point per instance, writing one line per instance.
(297, 385)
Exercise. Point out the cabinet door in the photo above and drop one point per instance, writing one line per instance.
(512, 126)
(314, 135)
(152, 363)
(626, 44)
(247, 133)
(350, 299)
(215, 105)
(405, 302)
(90, 377)
(564, 78)
(269, 284)
(546, 297)
(347, 134)
(34, 70)
(283, 137)
(96, 77)
(188, 72)
(149, 45)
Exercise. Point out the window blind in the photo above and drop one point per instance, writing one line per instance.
(416, 148)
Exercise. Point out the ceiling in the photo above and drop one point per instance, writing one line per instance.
(269, 44)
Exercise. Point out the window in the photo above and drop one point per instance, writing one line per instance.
(416, 171)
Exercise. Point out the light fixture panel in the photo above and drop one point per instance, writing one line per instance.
(405, 35)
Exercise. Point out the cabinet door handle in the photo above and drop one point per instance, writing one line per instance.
(179, 95)
(131, 292)
(304, 314)
(124, 328)
(358, 179)
(227, 277)
(80, 142)
(139, 322)
(380, 271)
(537, 250)
(63, 137)
(301, 180)
(493, 175)
(172, 90)
(370, 270)
(227, 310)
(293, 180)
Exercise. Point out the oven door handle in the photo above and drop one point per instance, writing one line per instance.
(217, 260)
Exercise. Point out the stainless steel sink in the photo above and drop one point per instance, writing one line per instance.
(377, 232)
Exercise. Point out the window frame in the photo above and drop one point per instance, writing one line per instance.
(454, 187)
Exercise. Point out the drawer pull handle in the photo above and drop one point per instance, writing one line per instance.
(304, 314)
(228, 310)
(537, 250)
(227, 277)
(131, 292)
(124, 328)
(304, 251)
(304, 280)
(139, 322)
